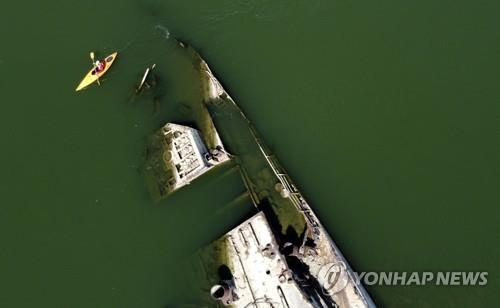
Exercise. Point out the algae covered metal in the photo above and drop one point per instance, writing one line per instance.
(314, 263)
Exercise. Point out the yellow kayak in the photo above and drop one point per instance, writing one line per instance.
(93, 74)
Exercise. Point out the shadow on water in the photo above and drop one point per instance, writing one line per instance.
(199, 214)
(205, 209)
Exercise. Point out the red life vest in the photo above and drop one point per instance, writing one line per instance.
(100, 67)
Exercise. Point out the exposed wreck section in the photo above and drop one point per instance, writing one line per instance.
(256, 272)
(305, 258)
(280, 257)
(176, 155)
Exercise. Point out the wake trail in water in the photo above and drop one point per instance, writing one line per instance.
(127, 45)
(163, 30)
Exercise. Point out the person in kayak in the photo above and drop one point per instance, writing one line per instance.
(99, 66)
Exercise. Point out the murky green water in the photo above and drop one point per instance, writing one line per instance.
(385, 114)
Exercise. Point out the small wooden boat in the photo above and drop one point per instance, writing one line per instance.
(93, 75)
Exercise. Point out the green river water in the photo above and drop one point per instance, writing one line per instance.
(386, 114)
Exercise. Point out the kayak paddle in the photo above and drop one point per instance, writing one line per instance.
(92, 57)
